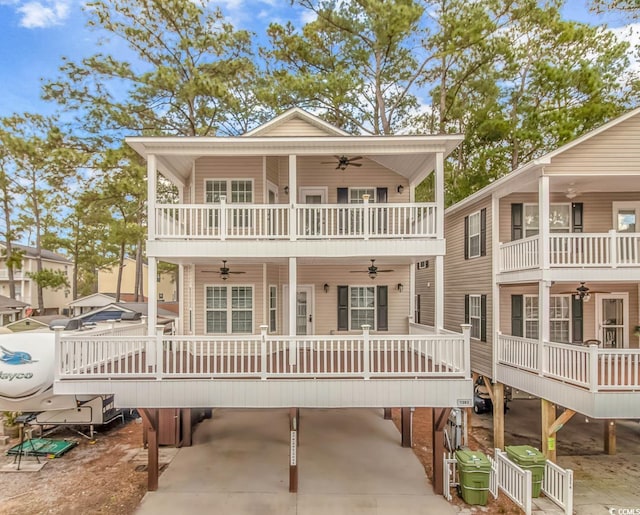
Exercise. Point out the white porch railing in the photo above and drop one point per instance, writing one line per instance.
(588, 367)
(557, 485)
(612, 249)
(312, 221)
(512, 480)
(262, 356)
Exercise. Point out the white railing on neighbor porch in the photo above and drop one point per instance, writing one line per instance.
(303, 221)
(612, 249)
(263, 356)
(588, 367)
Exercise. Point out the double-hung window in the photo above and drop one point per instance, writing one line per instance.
(559, 219)
(273, 309)
(229, 309)
(475, 316)
(531, 316)
(560, 318)
(474, 235)
(362, 306)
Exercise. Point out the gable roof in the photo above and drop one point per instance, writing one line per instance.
(295, 113)
(538, 163)
(93, 300)
(8, 302)
(33, 253)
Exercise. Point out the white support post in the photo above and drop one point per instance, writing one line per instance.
(466, 336)
(223, 217)
(495, 288)
(263, 351)
(412, 293)
(543, 321)
(365, 217)
(613, 248)
(439, 187)
(439, 302)
(293, 198)
(151, 196)
(159, 332)
(180, 298)
(293, 287)
(593, 368)
(366, 352)
(57, 354)
(152, 310)
(543, 222)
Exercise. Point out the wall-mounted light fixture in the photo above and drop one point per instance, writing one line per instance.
(400, 188)
(326, 288)
(286, 190)
(400, 287)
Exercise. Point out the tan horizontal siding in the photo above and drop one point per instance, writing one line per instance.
(229, 168)
(426, 288)
(293, 127)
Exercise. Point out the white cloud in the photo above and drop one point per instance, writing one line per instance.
(43, 14)
(631, 34)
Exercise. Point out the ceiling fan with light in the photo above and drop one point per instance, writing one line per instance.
(372, 270)
(224, 271)
(344, 161)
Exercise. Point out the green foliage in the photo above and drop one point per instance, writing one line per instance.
(50, 279)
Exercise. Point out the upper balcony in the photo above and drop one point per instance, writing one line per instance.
(222, 221)
(581, 251)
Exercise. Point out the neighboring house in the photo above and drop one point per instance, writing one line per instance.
(11, 309)
(89, 303)
(296, 245)
(545, 266)
(33, 322)
(27, 290)
(108, 282)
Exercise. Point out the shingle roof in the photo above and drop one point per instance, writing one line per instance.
(32, 253)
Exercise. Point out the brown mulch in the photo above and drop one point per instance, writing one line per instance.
(479, 439)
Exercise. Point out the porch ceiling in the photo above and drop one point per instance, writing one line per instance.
(355, 262)
(564, 183)
(413, 157)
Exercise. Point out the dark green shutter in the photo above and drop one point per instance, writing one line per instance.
(383, 308)
(576, 217)
(516, 222)
(466, 237)
(577, 319)
(483, 318)
(517, 315)
(466, 309)
(343, 308)
(343, 195)
(483, 232)
(417, 313)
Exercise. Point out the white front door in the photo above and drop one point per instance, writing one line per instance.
(304, 309)
(612, 314)
(313, 217)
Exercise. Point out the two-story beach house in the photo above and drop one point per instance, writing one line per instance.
(55, 301)
(545, 266)
(296, 245)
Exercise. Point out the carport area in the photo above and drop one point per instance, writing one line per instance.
(350, 461)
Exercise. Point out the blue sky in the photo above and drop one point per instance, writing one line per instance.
(35, 34)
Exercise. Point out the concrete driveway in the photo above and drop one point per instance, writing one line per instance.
(349, 461)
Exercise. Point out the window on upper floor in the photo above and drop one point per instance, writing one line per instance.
(360, 305)
(525, 317)
(273, 309)
(236, 191)
(475, 234)
(475, 313)
(356, 195)
(559, 219)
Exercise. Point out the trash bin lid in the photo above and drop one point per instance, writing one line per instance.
(525, 454)
(471, 458)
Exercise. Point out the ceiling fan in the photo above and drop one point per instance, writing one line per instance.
(344, 161)
(373, 270)
(582, 292)
(224, 271)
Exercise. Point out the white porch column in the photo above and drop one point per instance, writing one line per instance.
(544, 288)
(543, 221)
(293, 198)
(439, 301)
(152, 264)
(293, 287)
(439, 186)
(495, 288)
(151, 196)
(180, 289)
(412, 293)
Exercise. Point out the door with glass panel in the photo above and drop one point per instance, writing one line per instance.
(612, 313)
(313, 216)
(304, 310)
(625, 221)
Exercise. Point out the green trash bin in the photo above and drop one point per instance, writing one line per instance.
(529, 458)
(474, 471)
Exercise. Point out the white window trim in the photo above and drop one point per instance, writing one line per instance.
(478, 234)
(375, 305)
(524, 315)
(479, 317)
(524, 220)
(229, 309)
(274, 309)
(568, 319)
(616, 206)
(228, 181)
(372, 198)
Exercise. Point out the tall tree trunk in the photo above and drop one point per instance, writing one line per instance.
(37, 228)
(9, 246)
(120, 267)
(139, 284)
